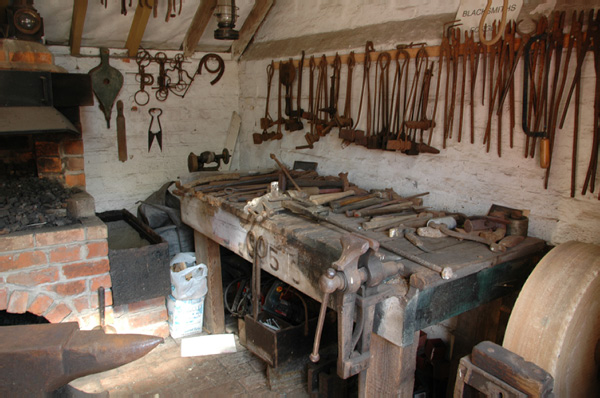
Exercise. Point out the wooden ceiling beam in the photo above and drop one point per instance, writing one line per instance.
(255, 19)
(198, 26)
(138, 26)
(77, 21)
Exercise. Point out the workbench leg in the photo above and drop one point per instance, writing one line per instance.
(391, 371)
(207, 252)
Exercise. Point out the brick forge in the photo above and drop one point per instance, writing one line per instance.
(61, 160)
(56, 272)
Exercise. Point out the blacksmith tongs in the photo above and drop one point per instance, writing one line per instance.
(155, 112)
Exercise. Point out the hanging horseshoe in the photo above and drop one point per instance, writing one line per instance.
(218, 70)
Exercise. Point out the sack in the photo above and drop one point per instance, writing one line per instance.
(190, 282)
(185, 316)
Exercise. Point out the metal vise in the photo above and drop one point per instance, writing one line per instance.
(197, 162)
(39, 359)
(357, 275)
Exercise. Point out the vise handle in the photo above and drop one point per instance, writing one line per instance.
(358, 268)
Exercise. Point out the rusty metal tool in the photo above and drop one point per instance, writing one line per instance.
(338, 204)
(489, 241)
(399, 95)
(472, 50)
(540, 64)
(510, 40)
(257, 248)
(590, 177)
(121, 132)
(360, 137)
(462, 88)
(545, 144)
(411, 236)
(581, 47)
(349, 209)
(385, 203)
(384, 209)
(102, 313)
(285, 171)
(310, 115)
(381, 120)
(106, 83)
(556, 40)
(266, 122)
(287, 74)
(358, 275)
(155, 112)
(324, 198)
(347, 134)
(455, 47)
(493, 51)
(299, 111)
(445, 57)
(316, 213)
(39, 359)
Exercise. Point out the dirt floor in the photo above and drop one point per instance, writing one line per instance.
(164, 373)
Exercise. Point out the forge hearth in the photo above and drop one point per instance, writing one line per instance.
(31, 202)
(55, 271)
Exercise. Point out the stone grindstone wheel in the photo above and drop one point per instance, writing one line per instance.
(556, 320)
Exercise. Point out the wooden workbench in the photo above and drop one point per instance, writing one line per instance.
(300, 250)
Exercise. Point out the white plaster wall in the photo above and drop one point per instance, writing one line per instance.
(463, 177)
(291, 18)
(196, 123)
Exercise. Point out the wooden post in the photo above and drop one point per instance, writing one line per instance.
(207, 252)
(391, 372)
(77, 21)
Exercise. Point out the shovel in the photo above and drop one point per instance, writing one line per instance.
(102, 310)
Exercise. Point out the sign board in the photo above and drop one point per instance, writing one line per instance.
(470, 12)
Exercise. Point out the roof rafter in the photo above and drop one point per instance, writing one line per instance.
(198, 26)
(255, 19)
(77, 22)
(138, 26)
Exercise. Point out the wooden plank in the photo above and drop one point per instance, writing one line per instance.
(204, 179)
(255, 19)
(432, 51)
(512, 369)
(77, 22)
(207, 252)
(391, 371)
(138, 27)
(198, 26)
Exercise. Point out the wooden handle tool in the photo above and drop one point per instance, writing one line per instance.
(121, 132)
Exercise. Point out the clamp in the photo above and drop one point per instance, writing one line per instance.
(358, 275)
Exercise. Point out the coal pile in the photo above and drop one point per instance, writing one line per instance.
(29, 203)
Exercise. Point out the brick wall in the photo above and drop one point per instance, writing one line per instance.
(61, 160)
(56, 272)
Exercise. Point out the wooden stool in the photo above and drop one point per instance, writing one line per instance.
(498, 372)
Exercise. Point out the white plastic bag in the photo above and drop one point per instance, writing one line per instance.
(190, 283)
(185, 316)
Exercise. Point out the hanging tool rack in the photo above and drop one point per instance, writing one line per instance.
(398, 86)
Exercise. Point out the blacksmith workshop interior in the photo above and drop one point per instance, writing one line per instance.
(299, 198)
